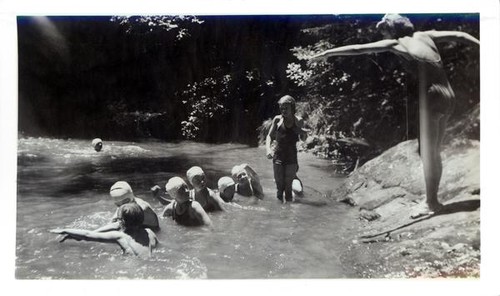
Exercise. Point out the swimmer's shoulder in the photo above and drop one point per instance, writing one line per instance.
(142, 203)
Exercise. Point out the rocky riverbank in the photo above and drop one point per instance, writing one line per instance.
(387, 242)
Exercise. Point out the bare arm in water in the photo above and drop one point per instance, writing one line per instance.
(126, 242)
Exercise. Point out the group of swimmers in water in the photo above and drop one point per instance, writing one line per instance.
(134, 222)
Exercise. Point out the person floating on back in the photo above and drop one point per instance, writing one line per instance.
(122, 193)
(97, 144)
(286, 129)
(247, 181)
(183, 209)
(436, 97)
(201, 193)
(132, 238)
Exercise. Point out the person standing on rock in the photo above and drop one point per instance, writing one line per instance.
(436, 97)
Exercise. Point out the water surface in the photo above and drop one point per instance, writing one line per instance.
(65, 183)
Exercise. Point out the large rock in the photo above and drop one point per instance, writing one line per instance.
(397, 174)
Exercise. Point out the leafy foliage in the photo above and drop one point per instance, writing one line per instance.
(149, 23)
(203, 101)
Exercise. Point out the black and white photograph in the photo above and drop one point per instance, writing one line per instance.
(249, 146)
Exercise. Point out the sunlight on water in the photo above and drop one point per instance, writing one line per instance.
(65, 183)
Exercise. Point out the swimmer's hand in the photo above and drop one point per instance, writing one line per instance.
(269, 154)
(67, 236)
(155, 190)
(64, 235)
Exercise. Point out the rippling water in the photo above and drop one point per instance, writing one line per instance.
(65, 183)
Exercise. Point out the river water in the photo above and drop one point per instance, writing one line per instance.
(65, 183)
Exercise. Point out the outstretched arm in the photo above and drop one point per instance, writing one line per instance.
(357, 49)
(109, 227)
(444, 36)
(88, 235)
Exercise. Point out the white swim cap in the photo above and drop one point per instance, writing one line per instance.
(121, 192)
(194, 171)
(173, 185)
(237, 169)
(95, 143)
(224, 182)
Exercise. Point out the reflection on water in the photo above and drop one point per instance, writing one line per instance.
(65, 183)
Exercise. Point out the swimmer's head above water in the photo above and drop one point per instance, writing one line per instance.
(97, 144)
(178, 189)
(130, 215)
(197, 178)
(239, 173)
(227, 187)
(122, 193)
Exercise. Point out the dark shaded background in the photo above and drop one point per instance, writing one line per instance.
(86, 77)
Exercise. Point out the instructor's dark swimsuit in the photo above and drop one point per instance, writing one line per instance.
(286, 145)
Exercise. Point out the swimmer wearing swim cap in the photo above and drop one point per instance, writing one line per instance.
(247, 181)
(97, 144)
(227, 188)
(196, 178)
(183, 209)
(122, 193)
(201, 193)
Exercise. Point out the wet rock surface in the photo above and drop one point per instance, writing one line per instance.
(387, 242)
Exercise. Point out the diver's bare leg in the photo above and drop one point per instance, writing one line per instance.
(431, 133)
